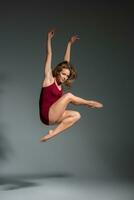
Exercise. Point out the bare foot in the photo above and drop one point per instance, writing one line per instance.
(94, 104)
(46, 137)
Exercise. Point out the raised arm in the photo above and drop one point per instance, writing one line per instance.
(48, 58)
(72, 40)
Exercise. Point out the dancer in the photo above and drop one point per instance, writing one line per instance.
(53, 103)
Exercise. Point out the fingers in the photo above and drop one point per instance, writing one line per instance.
(77, 37)
(74, 38)
(52, 30)
(51, 33)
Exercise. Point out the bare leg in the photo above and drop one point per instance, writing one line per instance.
(79, 101)
(65, 123)
(58, 108)
(57, 113)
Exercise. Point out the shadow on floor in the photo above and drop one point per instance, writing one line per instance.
(15, 183)
(24, 181)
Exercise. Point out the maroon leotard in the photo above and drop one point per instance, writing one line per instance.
(49, 95)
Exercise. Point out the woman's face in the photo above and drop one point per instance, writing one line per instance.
(64, 74)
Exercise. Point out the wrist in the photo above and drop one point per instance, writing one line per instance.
(49, 38)
(70, 43)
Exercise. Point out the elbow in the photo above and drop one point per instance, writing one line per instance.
(67, 60)
(49, 53)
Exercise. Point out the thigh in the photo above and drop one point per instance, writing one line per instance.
(57, 109)
(66, 114)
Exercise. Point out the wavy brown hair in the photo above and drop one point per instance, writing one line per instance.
(66, 65)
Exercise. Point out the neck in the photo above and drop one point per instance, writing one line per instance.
(58, 82)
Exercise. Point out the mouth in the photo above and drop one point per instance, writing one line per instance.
(62, 80)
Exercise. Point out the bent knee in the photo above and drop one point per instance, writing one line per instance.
(68, 95)
(77, 115)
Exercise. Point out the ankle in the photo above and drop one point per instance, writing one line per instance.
(50, 132)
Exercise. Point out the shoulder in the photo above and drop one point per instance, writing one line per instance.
(47, 81)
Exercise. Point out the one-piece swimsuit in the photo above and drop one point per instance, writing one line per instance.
(49, 95)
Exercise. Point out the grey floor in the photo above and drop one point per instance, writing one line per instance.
(63, 186)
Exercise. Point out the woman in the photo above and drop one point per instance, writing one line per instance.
(53, 103)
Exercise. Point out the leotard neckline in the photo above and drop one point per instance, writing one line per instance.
(51, 85)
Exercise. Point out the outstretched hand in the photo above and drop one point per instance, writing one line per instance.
(74, 38)
(51, 33)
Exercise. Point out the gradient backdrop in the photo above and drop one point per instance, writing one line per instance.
(101, 144)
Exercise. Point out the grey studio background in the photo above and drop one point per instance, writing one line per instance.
(100, 145)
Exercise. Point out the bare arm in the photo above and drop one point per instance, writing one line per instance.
(68, 49)
(48, 59)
